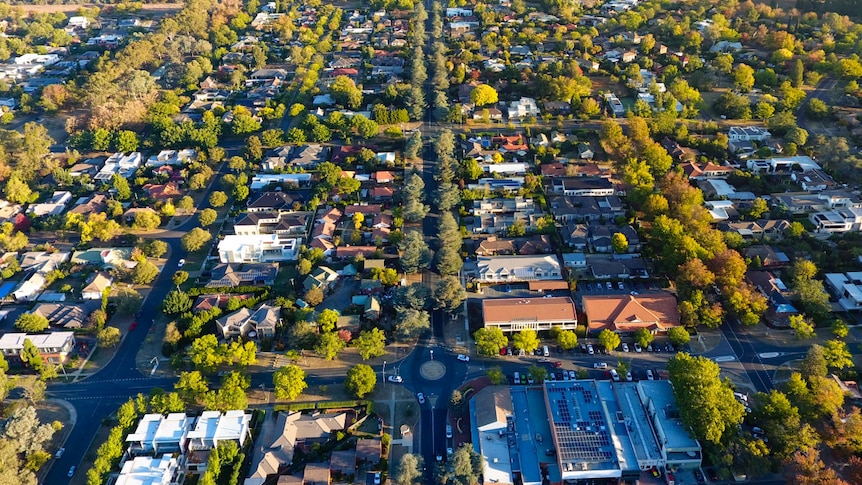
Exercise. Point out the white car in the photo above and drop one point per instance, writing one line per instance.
(59, 453)
(625, 347)
(448, 430)
(395, 379)
(463, 358)
(638, 348)
(572, 375)
(649, 375)
(420, 397)
(614, 375)
(600, 365)
(629, 376)
(590, 349)
(181, 263)
(377, 478)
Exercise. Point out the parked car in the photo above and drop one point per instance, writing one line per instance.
(649, 375)
(620, 285)
(629, 376)
(590, 349)
(420, 397)
(609, 285)
(503, 351)
(395, 379)
(573, 375)
(544, 360)
(638, 348)
(625, 347)
(133, 326)
(600, 365)
(556, 365)
(614, 375)
(59, 453)
(377, 478)
(448, 430)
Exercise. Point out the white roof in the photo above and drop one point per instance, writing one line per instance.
(144, 470)
(214, 426)
(53, 340)
(155, 428)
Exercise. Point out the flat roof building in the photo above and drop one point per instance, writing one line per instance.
(514, 314)
(157, 434)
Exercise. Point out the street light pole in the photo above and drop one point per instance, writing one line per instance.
(432, 355)
(384, 373)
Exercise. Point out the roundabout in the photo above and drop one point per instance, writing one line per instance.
(432, 370)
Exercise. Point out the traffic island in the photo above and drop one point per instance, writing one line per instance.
(432, 370)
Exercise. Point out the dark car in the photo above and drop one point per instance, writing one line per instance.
(698, 475)
(133, 326)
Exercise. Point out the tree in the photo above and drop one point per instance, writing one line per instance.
(30, 356)
(121, 185)
(803, 328)
(144, 273)
(483, 95)
(207, 217)
(644, 337)
(609, 339)
(415, 296)
(204, 353)
(567, 339)
(329, 345)
(526, 340)
(313, 297)
(126, 141)
(797, 73)
(415, 253)
(177, 302)
(195, 239)
(147, 219)
(489, 340)
(410, 323)
(465, 465)
(108, 337)
(619, 243)
(360, 380)
(409, 470)
(31, 323)
(180, 277)
(17, 190)
(218, 198)
(449, 294)
(837, 355)
(231, 394)
(192, 387)
(327, 319)
(413, 145)
(678, 336)
(840, 328)
(24, 431)
(370, 343)
(706, 403)
(289, 382)
(743, 77)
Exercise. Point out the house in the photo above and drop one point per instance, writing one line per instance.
(625, 314)
(120, 163)
(316, 474)
(264, 180)
(575, 260)
(837, 220)
(615, 105)
(276, 202)
(780, 309)
(249, 274)
(173, 157)
(348, 252)
(766, 256)
(97, 285)
(709, 170)
(523, 108)
(105, 258)
(575, 236)
(516, 314)
(583, 186)
(383, 177)
(66, 315)
(629, 56)
(814, 180)
(566, 209)
(784, 165)
(267, 76)
(212, 428)
(169, 190)
(284, 224)
(54, 206)
(601, 236)
(381, 193)
(747, 133)
(585, 152)
(157, 434)
(90, 205)
(322, 278)
(78, 22)
(805, 202)
(847, 287)
(257, 249)
(496, 269)
(252, 324)
(54, 347)
(37, 264)
(164, 470)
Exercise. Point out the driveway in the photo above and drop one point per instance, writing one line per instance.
(340, 298)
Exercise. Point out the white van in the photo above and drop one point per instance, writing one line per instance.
(545, 351)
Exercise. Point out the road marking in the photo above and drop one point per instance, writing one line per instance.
(725, 358)
(769, 355)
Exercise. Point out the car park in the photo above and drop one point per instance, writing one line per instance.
(420, 397)
(625, 347)
(463, 358)
(395, 379)
(600, 365)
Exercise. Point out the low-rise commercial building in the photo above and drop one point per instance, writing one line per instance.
(515, 314)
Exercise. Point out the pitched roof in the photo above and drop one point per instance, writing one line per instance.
(627, 313)
(493, 404)
(529, 309)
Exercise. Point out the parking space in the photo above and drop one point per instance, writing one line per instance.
(615, 287)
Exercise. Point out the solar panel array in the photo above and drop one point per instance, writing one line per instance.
(581, 438)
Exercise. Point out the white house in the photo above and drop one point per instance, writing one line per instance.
(54, 206)
(747, 133)
(496, 269)
(157, 434)
(615, 105)
(837, 220)
(459, 12)
(140, 470)
(78, 22)
(54, 347)
(523, 108)
(213, 427)
(97, 285)
(125, 165)
(847, 287)
(261, 248)
(172, 157)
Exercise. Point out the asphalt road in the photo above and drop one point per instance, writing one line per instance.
(821, 92)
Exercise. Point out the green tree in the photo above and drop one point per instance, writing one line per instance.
(743, 77)
(678, 336)
(204, 353)
(840, 328)
(370, 343)
(195, 239)
(415, 254)
(148, 220)
(126, 141)
(526, 340)
(495, 374)
(180, 277)
(329, 345)
(218, 199)
(409, 470)
(31, 323)
(410, 323)
(644, 337)
(108, 337)
(327, 319)
(803, 328)
(144, 273)
(231, 394)
(313, 297)
(449, 294)
(176, 303)
(706, 402)
(489, 340)
(30, 356)
(192, 387)
(797, 72)
(360, 380)
(207, 217)
(837, 354)
(609, 339)
(567, 339)
(289, 382)
(121, 185)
